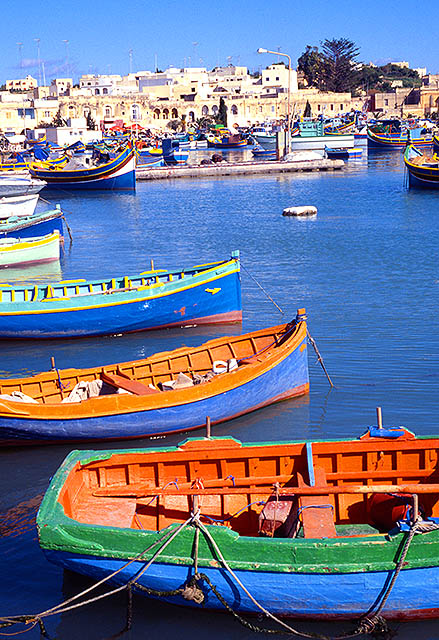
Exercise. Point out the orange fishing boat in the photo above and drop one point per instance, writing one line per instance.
(167, 392)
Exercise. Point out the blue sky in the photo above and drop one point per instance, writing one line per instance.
(101, 33)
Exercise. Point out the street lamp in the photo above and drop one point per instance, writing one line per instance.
(278, 53)
(37, 40)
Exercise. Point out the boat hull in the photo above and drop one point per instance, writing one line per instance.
(117, 175)
(320, 596)
(18, 206)
(215, 298)
(30, 252)
(309, 143)
(287, 379)
(39, 225)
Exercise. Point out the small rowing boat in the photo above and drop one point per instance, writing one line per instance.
(18, 252)
(203, 294)
(165, 393)
(38, 224)
(301, 529)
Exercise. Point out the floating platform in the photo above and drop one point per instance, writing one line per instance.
(237, 169)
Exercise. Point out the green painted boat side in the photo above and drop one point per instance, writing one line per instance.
(341, 555)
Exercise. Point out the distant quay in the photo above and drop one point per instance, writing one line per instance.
(237, 169)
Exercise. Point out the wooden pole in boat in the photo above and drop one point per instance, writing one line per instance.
(283, 491)
(152, 264)
(52, 362)
(379, 418)
(208, 429)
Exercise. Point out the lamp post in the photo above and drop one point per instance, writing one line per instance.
(278, 53)
(37, 40)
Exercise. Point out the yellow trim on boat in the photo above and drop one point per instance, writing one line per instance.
(113, 304)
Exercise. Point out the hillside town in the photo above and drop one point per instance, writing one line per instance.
(155, 99)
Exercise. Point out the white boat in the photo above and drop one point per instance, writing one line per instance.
(24, 252)
(14, 186)
(18, 205)
(313, 143)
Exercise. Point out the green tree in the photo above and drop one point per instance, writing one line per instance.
(340, 69)
(57, 120)
(90, 122)
(310, 64)
(222, 112)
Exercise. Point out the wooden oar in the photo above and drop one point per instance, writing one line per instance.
(299, 491)
(140, 490)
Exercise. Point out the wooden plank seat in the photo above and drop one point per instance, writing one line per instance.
(316, 512)
(124, 382)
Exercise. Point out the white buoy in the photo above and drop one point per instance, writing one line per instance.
(300, 211)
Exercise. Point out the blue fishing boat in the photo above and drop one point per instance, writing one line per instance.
(343, 154)
(423, 170)
(204, 294)
(38, 224)
(260, 152)
(117, 174)
(167, 392)
(172, 154)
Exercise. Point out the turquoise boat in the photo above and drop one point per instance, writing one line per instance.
(320, 530)
(203, 294)
(37, 224)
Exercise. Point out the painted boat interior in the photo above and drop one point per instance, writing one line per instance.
(252, 351)
(252, 488)
(146, 281)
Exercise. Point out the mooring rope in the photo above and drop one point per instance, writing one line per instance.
(370, 623)
(62, 608)
(262, 288)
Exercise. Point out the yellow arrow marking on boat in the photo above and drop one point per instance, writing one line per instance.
(213, 291)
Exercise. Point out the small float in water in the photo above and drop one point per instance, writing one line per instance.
(300, 211)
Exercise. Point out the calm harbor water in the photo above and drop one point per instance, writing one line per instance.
(366, 270)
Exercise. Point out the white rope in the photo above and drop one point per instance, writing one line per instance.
(235, 577)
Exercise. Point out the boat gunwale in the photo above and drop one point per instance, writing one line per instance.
(122, 404)
(51, 514)
(151, 291)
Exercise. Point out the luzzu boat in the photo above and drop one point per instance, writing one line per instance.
(203, 294)
(398, 138)
(24, 164)
(423, 170)
(308, 529)
(116, 175)
(165, 393)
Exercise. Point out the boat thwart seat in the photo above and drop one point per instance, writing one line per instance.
(316, 512)
(121, 381)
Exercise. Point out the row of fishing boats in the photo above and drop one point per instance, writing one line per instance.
(319, 530)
